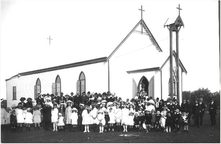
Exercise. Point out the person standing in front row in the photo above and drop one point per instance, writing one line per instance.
(86, 119)
(202, 110)
(196, 113)
(68, 112)
(212, 112)
(36, 117)
(46, 111)
(54, 117)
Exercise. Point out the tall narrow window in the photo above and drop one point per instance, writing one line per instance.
(14, 93)
(37, 88)
(81, 83)
(58, 86)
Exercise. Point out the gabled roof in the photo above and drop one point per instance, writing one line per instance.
(147, 31)
(174, 23)
(173, 20)
(87, 62)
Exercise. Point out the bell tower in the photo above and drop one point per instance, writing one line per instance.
(174, 25)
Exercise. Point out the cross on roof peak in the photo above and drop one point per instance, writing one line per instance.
(141, 11)
(49, 39)
(179, 8)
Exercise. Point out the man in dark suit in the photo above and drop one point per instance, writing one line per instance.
(196, 113)
(212, 112)
(46, 111)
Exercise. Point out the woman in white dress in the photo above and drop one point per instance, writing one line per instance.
(125, 118)
(28, 119)
(94, 120)
(54, 117)
(68, 112)
(19, 117)
(86, 119)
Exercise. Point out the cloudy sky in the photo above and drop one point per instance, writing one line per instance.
(83, 30)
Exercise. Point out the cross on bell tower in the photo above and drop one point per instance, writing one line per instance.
(179, 8)
(141, 10)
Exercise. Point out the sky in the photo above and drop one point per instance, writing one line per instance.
(83, 30)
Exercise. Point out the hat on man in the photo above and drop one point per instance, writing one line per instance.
(69, 101)
(81, 104)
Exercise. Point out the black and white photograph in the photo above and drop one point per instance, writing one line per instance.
(110, 71)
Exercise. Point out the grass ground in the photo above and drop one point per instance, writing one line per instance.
(204, 134)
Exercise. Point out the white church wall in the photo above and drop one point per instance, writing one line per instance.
(165, 80)
(9, 91)
(157, 85)
(96, 81)
(137, 52)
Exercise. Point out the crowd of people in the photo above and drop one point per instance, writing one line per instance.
(104, 112)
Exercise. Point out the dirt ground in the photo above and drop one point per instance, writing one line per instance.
(204, 134)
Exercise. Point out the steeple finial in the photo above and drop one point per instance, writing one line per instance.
(179, 8)
(141, 11)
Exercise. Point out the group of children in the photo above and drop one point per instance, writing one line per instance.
(102, 116)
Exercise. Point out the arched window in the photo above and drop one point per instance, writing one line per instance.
(81, 83)
(143, 85)
(56, 87)
(37, 88)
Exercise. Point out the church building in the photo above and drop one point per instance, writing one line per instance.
(136, 63)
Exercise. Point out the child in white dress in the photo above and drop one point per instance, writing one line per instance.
(54, 117)
(60, 122)
(101, 119)
(112, 119)
(86, 119)
(28, 119)
(185, 121)
(74, 118)
(163, 118)
(125, 117)
(37, 118)
(19, 117)
(118, 117)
